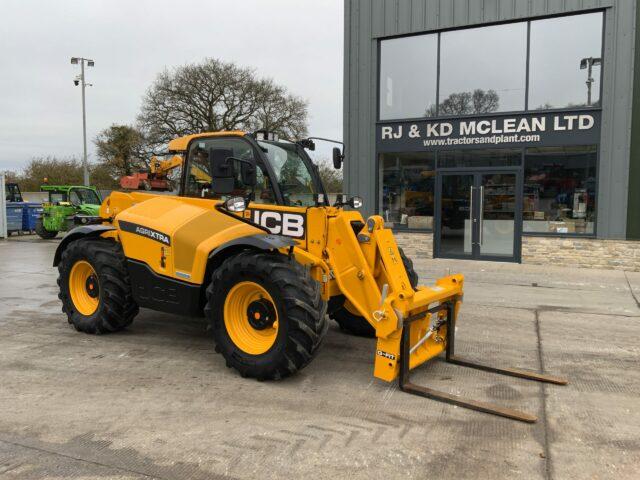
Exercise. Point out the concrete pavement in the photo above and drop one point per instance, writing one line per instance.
(157, 402)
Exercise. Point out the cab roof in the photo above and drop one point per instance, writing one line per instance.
(180, 144)
(63, 188)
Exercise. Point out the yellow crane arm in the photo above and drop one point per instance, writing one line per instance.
(162, 167)
(199, 174)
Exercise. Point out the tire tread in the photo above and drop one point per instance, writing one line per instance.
(117, 308)
(301, 300)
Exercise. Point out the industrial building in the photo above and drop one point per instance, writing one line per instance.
(501, 130)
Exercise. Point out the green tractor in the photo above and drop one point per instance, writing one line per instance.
(65, 202)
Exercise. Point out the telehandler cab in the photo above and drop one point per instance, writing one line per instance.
(256, 247)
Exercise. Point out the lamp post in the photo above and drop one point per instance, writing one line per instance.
(81, 80)
(588, 63)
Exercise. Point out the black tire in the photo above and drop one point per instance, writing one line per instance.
(116, 307)
(353, 324)
(411, 271)
(357, 325)
(43, 232)
(301, 313)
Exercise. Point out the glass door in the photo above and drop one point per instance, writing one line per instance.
(497, 214)
(456, 205)
(479, 215)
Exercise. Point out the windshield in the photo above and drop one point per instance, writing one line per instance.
(13, 193)
(84, 195)
(292, 174)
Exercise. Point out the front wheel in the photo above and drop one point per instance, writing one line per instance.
(95, 288)
(267, 314)
(43, 232)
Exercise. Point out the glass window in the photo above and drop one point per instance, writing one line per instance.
(483, 70)
(480, 158)
(84, 195)
(13, 193)
(565, 64)
(57, 197)
(408, 189)
(408, 76)
(560, 190)
(263, 192)
(293, 176)
(198, 182)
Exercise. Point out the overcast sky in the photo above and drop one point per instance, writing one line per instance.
(298, 43)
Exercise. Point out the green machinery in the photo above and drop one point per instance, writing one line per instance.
(64, 203)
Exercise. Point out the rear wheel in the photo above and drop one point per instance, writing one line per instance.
(43, 232)
(95, 288)
(267, 314)
(351, 322)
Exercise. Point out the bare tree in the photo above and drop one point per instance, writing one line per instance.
(484, 101)
(10, 176)
(331, 178)
(121, 148)
(65, 171)
(215, 95)
(467, 103)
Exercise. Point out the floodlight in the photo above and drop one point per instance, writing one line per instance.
(74, 60)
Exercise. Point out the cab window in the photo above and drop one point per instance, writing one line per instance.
(57, 197)
(198, 180)
(293, 176)
(82, 195)
(13, 193)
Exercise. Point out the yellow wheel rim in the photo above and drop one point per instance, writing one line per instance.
(251, 318)
(84, 288)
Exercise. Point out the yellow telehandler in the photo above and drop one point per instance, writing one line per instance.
(256, 247)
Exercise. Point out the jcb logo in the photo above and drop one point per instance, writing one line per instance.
(281, 223)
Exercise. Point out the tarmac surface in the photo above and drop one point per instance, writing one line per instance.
(155, 401)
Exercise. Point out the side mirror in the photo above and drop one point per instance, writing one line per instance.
(248, 172)
(222, 170)
(338, 158)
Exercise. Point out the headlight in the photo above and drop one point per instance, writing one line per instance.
(236, 204)
(355, 202)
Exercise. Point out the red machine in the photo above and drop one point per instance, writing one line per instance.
(156, 178)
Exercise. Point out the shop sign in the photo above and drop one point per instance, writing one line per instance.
(564, 128)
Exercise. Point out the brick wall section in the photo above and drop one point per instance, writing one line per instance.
(569, 252)
(582, 253)
(416, 245)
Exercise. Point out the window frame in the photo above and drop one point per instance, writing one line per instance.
(260, 162)
(597, 193)
(521, 172)
(77, 189)
(312, 169)
(439, 100)
(379, 73)
(379, 197)
(528, 21)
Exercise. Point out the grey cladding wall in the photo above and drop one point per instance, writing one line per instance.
(368, 20)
